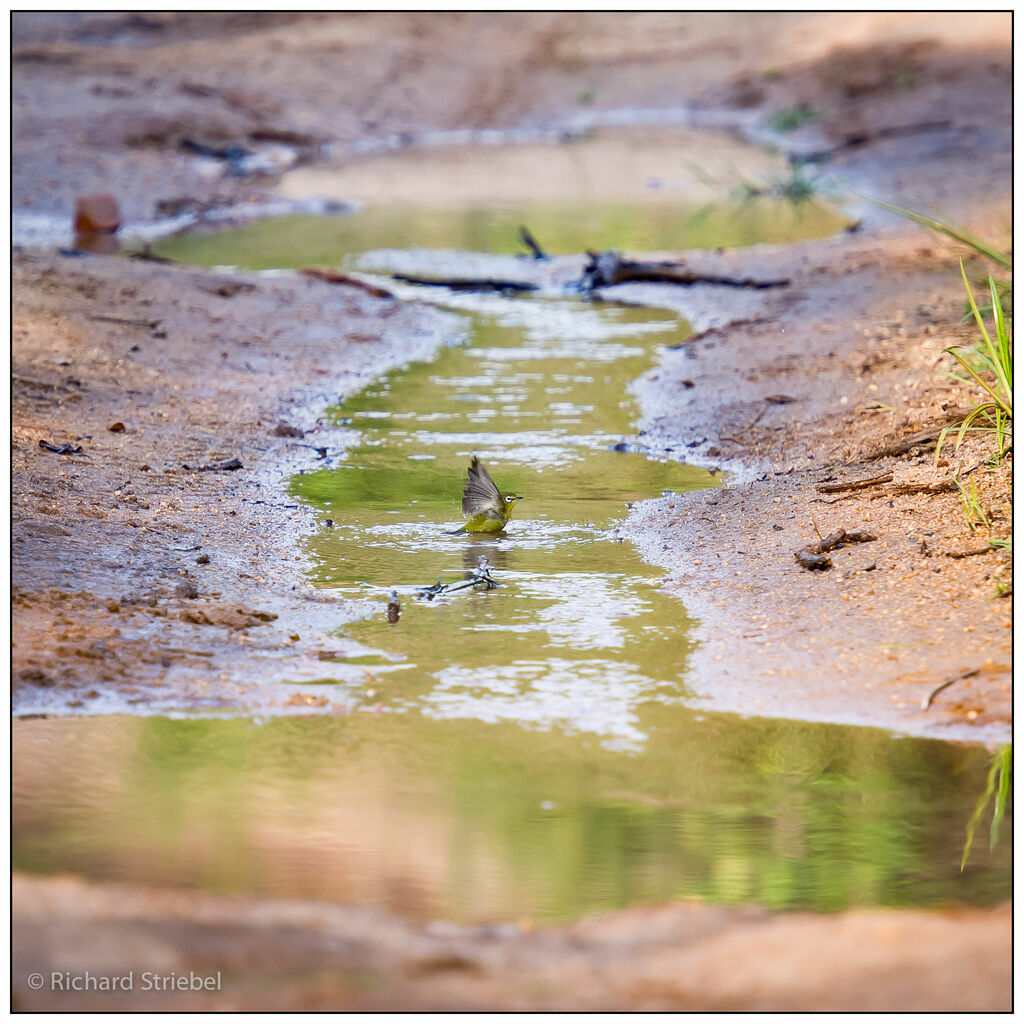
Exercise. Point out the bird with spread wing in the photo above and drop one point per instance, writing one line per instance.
(489, 510)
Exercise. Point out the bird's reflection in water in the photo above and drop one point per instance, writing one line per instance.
(492, 549)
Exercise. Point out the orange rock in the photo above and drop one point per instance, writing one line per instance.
(97, 212)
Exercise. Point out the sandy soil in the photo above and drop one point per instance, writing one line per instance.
(293, 955)
(110, 596)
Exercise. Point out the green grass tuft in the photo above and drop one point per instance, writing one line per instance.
(990, 365)
(971, 504)
(791, 118)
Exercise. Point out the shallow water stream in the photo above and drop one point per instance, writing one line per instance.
(530, 751)
(577, 634)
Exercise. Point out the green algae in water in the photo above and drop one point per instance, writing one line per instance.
(474, 821)
(562, 228)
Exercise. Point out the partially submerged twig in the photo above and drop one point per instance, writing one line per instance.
(609, 268)
(481, 575)
(531, 243)
(147, 254)
(468, 284)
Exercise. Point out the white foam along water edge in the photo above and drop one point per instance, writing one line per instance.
(56, 229)
(559, 130)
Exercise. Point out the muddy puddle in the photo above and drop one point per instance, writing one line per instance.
(530, 751)
(592, 187)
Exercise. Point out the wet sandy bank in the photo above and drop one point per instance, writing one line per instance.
(799, 395)
(145, 575)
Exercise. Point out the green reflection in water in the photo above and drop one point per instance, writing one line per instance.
(473, 821)
(561, 228)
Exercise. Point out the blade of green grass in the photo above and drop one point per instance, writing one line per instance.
(974, 307)
(1005, 771)
(951, 231)
(1004, 362)
(979, 810)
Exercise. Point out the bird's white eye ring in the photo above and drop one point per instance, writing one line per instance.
(508, 497)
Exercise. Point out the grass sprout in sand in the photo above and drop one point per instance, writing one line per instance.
(990, 365)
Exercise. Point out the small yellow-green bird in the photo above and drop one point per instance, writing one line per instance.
(488, 509)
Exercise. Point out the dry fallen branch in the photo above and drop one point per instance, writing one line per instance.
(987, 549)
(127, 321)
(810, 560)
(854, 485)
(62, 449)
(856, 139)
(813, 556)
(840, 539)
(935, 487)
(713, 332)
(922, 437)
(336, 277)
